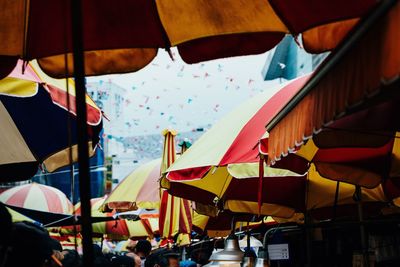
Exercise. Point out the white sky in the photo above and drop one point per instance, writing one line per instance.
(174, 94)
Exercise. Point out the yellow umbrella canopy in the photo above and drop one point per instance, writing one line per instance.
(121, 228)
(18, 217)
(140, 189)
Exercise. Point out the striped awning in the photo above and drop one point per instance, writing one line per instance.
(361, 73)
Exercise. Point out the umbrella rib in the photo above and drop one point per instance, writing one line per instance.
(223, 187)
(60, 220)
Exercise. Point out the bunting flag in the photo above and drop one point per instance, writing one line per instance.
(175, 213)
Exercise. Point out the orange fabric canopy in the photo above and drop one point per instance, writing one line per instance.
(367, 73)
(124, 36)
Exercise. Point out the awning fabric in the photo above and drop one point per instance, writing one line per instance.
(368, 72)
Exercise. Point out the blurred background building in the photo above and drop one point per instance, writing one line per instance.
(288, 61)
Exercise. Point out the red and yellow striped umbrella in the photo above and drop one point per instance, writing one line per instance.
(121, 228)
(223, 167)
(175, 212)
(226, 158)
(140, 189)
(37, 197)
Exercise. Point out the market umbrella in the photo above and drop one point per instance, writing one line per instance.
(140, 189)
(37, 197)
(227, 153)
(108, 27)
(175, 212)
(119, 228)
(135, 29)
(35, 122)
(222, 168)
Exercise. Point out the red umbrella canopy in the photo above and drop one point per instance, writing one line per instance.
(37, 197)
(201, 29)
(232, 140)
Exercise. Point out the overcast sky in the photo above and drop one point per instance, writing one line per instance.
(174, 94)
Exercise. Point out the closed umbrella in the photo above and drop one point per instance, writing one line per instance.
(175, 212)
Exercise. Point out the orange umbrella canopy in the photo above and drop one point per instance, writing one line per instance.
(37, 197)
(348, 128)
(202, 30)
(333, 91)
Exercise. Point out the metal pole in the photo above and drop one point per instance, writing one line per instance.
(364, 241)
(83, 148)
(308, 231)
(336, 200)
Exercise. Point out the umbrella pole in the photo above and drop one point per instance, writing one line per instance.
(83, 148)
(364, 242)
(336, 201)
